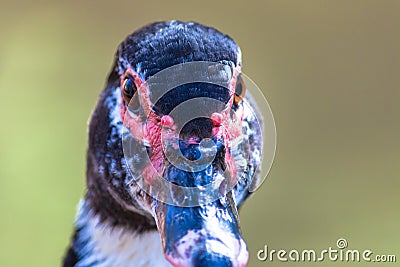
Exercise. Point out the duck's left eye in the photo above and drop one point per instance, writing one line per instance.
(128, 89)
(240, 90)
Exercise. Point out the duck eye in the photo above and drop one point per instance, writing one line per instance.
(128, 89)
(240, 90)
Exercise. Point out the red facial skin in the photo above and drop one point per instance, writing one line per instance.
(226, 127)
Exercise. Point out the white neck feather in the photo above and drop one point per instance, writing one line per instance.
(101, 245)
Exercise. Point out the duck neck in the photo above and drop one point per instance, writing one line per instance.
(101, 243)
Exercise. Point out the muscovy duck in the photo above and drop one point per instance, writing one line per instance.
(120, 223)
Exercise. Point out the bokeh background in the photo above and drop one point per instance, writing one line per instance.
(329, 69)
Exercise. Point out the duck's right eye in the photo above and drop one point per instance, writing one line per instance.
(128, 89)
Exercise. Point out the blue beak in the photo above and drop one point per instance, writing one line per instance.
(206, 235)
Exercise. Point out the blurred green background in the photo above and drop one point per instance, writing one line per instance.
(329, 69)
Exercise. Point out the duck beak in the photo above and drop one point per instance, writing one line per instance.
(207, 235)
(203, 235)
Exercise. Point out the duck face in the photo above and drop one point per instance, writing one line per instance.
(178, 139)
(198, 227)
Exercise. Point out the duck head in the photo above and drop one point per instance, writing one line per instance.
(137, 138)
